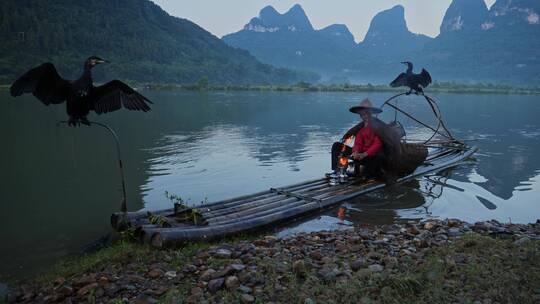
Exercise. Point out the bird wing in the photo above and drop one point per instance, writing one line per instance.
(44, 83)
(425, 78)
(112, 95)
(401, 80)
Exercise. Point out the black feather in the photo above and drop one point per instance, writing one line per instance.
(81, 95)
(44, 83)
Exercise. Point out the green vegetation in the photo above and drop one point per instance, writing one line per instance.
(470, 268)
(141, 40)
(446, 87)
(81, 264)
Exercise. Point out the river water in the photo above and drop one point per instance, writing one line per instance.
(59, 185)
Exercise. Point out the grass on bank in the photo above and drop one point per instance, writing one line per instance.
(473, 268)
(121, 253)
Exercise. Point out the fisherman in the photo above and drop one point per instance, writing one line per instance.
(367, 151)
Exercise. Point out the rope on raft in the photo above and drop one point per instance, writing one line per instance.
(123, 206)
(436, 111)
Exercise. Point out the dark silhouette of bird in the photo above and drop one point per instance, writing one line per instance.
(416, 82)
(81, 95)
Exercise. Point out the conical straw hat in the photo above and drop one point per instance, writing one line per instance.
(365, 105)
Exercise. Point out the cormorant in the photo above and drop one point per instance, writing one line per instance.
(415, 82)
(81, 95)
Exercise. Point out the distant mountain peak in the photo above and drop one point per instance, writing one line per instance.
(337, 29)
(388, 32)
(268, 12)
(296, 8)
(270, 20)
(389, 21)
(339, 32)
(465, 15)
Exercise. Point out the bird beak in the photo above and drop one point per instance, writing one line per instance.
(98, 61)
(403, 62)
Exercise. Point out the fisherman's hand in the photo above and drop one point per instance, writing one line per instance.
(359, 156)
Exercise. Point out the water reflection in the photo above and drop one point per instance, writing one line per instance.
(63, 183)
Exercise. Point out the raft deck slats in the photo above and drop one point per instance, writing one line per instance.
(266, 199)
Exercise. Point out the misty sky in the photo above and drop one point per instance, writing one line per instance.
(221, 17)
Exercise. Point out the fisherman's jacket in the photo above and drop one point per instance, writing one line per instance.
(399, 158)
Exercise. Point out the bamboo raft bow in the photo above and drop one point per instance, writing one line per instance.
(178, 225)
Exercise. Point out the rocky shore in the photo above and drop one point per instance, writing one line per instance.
(446, 261)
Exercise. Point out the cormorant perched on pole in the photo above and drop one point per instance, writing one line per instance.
(81, 95)
(415, 82)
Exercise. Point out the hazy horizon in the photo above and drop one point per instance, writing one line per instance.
(422, 16)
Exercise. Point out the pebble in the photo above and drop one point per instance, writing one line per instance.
(232, 282)
(376, 268)
(143, 299)
(86, 289)
(316, 255)
(222, 272)
(522, 241)
(453, 223)
(430, 225)
(102, 281)
(238, 267)
(413, 230)
(215, 284)
(299, 267)
(196, 291)
(155, 273)
(309, 301)
(390, 262)
(132, 278)
(189, 268)
(454, 232)
(358, 264)
(223, 253)
(246, 298)
(326, 260)
(85, 280)
(207, 275)
(192, 299)
(170, 274)
(244, 289)
(328, 275)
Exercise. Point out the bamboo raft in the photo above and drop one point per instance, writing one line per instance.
(176, 226)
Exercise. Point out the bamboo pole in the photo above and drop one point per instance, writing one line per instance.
(218, 204)
(250, 198)
(270, 206)
(256, 203)
(280, 207)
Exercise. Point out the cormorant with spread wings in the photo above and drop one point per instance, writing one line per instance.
(81, 95)
(416, 82)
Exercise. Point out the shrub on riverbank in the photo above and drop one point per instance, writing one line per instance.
(443, 87)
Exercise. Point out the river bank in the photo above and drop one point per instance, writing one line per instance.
(307, 87)
(422, 262)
